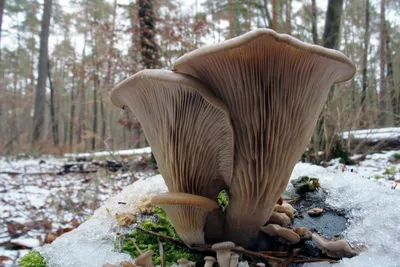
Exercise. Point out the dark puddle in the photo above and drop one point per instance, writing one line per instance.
(331, 223)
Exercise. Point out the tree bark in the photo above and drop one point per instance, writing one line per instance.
(314, 22)
(147, 32)
(288, 24)
(332, 24)
(365, 59)
(40, 100)
(389, 77)
(274, 15)
(385, 119)
(54, 123)
(2, 4)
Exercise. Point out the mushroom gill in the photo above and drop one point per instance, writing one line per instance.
(275, 87)
(187, 127)
(188, 214)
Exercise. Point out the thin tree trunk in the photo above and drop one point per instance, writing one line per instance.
(389, 76)
(385, 103)
(230, 19)
(267, 15)
(40, 100)
(288, 24)
(249, 15)
(332, 24)
(54, 123)
(82, 97)
(274, 15)
(314, 22)
(147, 28)
(365, 60)
(2, 4)
(72, 114)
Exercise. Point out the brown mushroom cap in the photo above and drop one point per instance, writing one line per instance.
(285, 208)
(336, 249)
(279, 218)
(286, 234)
(145, 260)
(187, 127)
(188, 214)
(275, 87)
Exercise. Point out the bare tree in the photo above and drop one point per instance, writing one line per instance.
(365, 58)
(314, 22)
(274, 15)
(40, 100)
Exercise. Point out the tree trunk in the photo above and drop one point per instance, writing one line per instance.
(147, 31)
(82, 96)
(385, 119)
(365, 60)
(390, 78)
(314, 22)
(249, 15)
(40, 100)
(274, 15)
(2, 3)
(288, 24)
(72, 114)
(230, 19)
(54, 123)
(332, 24)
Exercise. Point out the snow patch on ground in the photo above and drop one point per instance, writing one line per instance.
(375, 134)
(374, 216)
(92, 243)
(145, 150)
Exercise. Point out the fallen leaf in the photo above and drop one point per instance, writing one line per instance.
(125, 219)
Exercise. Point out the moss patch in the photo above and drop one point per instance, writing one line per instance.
(161, 225)
(32, 259)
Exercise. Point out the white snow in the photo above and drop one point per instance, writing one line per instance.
(92, 243)
(373, 210)
(26, 242)
(145, 150)
(375, 134)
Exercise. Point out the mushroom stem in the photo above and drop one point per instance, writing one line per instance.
(209, 261)
(223, 251)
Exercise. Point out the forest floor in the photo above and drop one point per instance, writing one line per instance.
(42, 198)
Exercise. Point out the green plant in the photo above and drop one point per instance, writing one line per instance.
(32, 259)
(396, 156)
(390, 171)
(223, 199)
(161, 225)
(377, 176)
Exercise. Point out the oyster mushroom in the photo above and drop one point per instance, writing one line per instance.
(223, 251)
(275, 87)
(335, 249)
(285, 234)
(260, 264)
(303, 232)
(145, 260)
(234, 260)
(209, 261)
(285, 208)
(183, 263)
(188, 129)
(279, 218)
(188, 214)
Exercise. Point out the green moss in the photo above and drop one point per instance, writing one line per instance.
(377, 176)
(160, 225)
(392, 170)
(397, 156)
(223, 199)
(305, 184)
(32, 259)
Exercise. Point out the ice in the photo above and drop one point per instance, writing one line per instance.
(144, 150)
(92, 243)
(374, 215)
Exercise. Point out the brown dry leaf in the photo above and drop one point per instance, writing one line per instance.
(4, 258)
(75, 223)
(51, 237)
(146, 207)
(125, 218)
(397, 181)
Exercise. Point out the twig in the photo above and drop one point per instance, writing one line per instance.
(257, 254)
(315, 260)
(179, 242)
(274, 253)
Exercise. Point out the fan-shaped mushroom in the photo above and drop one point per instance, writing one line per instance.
(209, 261)
(279, 218)
(188, 214)
(336, 249)
(286, 235)
(187, 127)
(183, 262)
(275, 87)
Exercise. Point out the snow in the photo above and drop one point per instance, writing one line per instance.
(374, 216)
(92, 243)
(375, 134)
(145, 150)
(26, 242)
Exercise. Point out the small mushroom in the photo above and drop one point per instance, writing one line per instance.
(223, 251)
(109, 265)
(260, 264)
(188, 214)
(285, 208)
(234, 260)
(279, 218)
(286, 235)
(335, 249)
(145, 260)
(183, 262)
(209, 261)
(127, 264)
(314, 212)
(303, 232)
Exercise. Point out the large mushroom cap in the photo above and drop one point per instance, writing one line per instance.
(275, 87)
(187, 127)
(188, 214)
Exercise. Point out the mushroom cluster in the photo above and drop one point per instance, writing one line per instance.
(236, 116)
